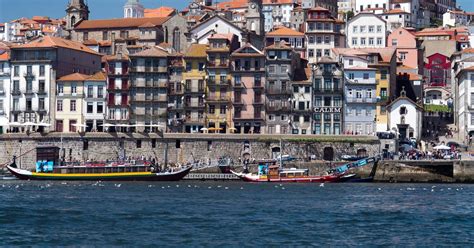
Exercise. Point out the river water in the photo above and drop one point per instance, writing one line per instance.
(235, 214)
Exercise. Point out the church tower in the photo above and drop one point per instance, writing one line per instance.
(76, 11)
(254, 17)
(133, 9)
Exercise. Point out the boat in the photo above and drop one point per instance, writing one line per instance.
(352, 157)
(225, 164)
(49, 166)
(273, 173)
(99, 172)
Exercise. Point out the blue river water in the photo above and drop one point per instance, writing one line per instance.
(235, 214)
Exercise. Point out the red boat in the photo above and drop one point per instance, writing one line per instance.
(273, 173)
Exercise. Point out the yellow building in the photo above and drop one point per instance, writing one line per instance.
(69, 103)
(194, 77)
(218, 101)
(385, 61)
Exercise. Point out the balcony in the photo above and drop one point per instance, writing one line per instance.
(194, 105)
(213, 64)
(239, 85)
(278, 107)
(29, 75)
(41, 92)
(328, 90)
(194, 90)
(176, 106)
(361, 100)
(278, 91)
(174, 92)
(29, 92)
(258, 101)
(2, 92)
(214, 98)
(16, 92)
(257, 85)
(161, 98)
(189, 119)
(238, 101)
(247, 69)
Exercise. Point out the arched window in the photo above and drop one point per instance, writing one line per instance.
(166, 34)
(134, 13)
(252, 26)
(129, 13)
(73, 21)
(177, 39)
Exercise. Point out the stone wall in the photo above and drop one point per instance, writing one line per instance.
(182, 148)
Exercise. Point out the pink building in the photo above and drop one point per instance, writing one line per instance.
(248, 96)
(407, 47)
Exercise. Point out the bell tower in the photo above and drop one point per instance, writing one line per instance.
(76, 11)
(133, 9)
(254, 17)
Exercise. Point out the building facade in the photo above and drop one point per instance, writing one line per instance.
(366, 30)
(70, 103)
(323, 33)
(4, 90)
(95, 105)
(328, 97)
(149, 89)
(248, 96)
(36, 65)
(194, 77)
(118, 91)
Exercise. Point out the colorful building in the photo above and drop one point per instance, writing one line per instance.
(70, 103)
(194, 76)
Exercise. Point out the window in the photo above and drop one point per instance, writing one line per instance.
(59, 106)
(383, 74)
(319, 39)
(327, 101)
(310, 53)
(105, 35)
(189, 66)
(73, 106)
(368, 93)
(59, 125)
(371, 29)
(318, 53)
(90, 91)
(90, 107)
(358, 94)
(403, 56)
(394, 42)
(326, 52)
(368, 112)
(337, 117)
(362, 41)
(100, 108)
(366, 75)
(371, 41)
(337, 101)
(317, 117)
(379, 28)
(327, 39)
(73, 88)
(16, 71)
(318, 101)
(358, 112)
(60, 89)
(223, 110)
(351, 76)
(237, 79)
(379, 41)
(354, 41)
(311, 39)
(41, 70)
(355, 28)
(362, 29)
(100, 92)
(472, 118)
(86, 36)
(351, 62)
(212, 109)
(201, 66)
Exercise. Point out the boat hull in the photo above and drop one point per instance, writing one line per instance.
(308, 179)
(127, 176)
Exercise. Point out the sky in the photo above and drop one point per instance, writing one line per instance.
(101, 9)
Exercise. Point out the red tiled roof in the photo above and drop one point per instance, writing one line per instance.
(162, 11)
(55, 42)
(74, 77)
(120, 23)
(284, 31)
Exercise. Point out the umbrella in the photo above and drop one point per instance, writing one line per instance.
(232, 129)
(44, 125)
(204, 129)
(14, 124)
(215, 129)
(79, 125)
(29, 124)
(442, 147)
(107, 125)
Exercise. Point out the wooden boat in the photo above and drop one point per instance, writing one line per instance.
(273, 173)
(101, 172)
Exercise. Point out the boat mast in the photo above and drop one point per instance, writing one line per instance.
(281, 153)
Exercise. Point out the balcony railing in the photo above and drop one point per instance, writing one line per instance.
(16, 92)
(194, 90)
(194, 105)
(278, 107)
(361, 100)
(29, 75)
(279, 91)
(214, 98)
(328, 90)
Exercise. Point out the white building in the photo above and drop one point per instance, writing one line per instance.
(405, 117)
(4, 90)
(454, 18)
(277, 13)
(366, 30)
(361, 5)
(396, 18)
(344, 6)
(412, 7)
(95, 101)
(464, 99)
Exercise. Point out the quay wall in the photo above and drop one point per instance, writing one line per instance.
(182, 148)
